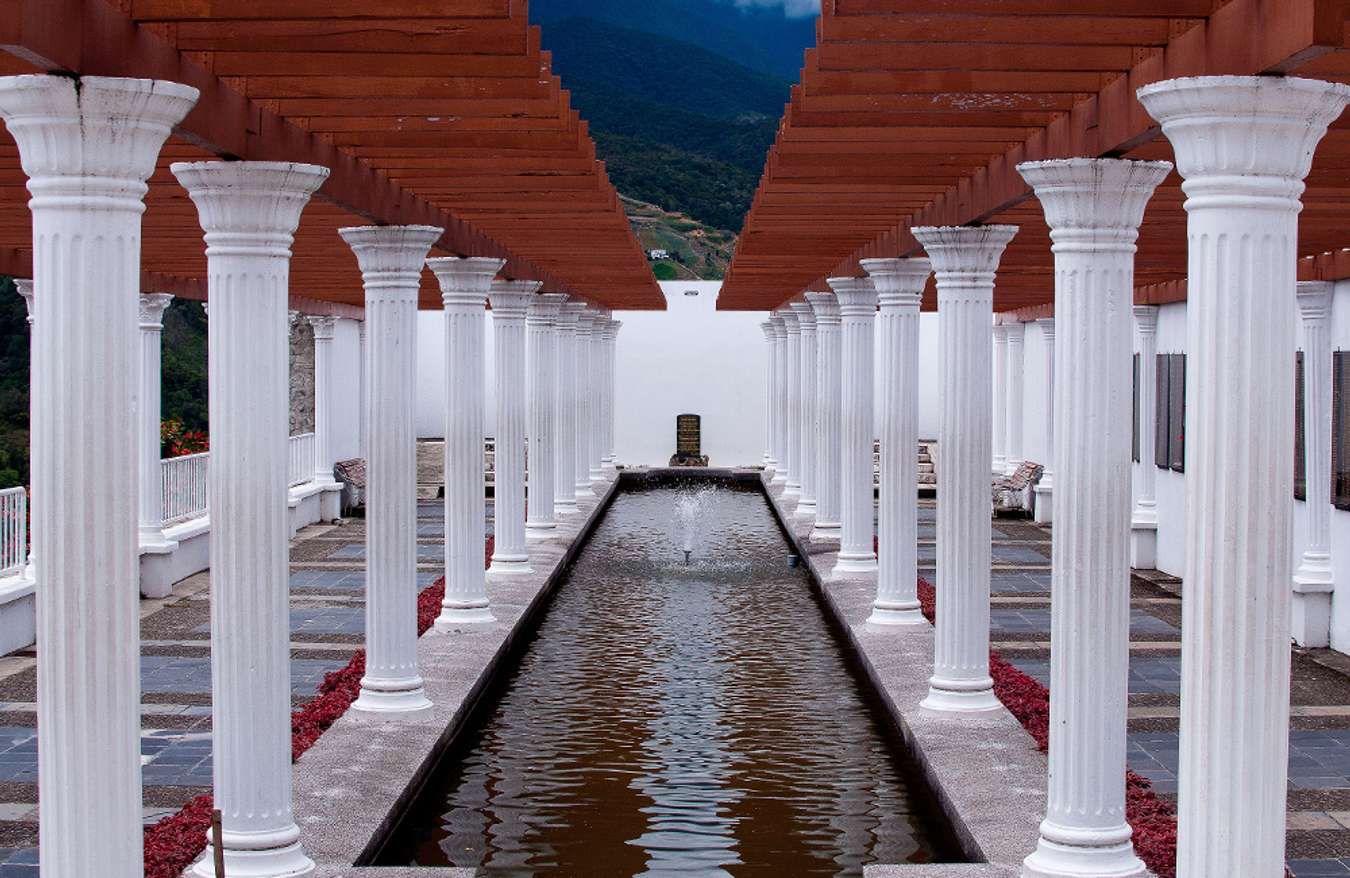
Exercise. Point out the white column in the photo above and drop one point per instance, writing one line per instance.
(1093, 208)
(1045, 488)
(249, 211)
(1144, 518)
(857, 298)
(87, 146)
(806, 415)
(1243, 147)
(151, 324)
(25, 288)
(583, 381)
(464, 290)
(792, 381)
(964, 259)
(599, 397)
(899, 284)
(828, 412)
(565, 490)
(768, 461)
(779, 390)
(510, 302)
(1313, 581)
(391, 260)
(540, 521)
(1000, 435)
(323, 406)
(1016, 386)
(363, 439)
(611, 392)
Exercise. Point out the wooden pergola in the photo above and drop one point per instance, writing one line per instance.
(437, 112)
(916, 112)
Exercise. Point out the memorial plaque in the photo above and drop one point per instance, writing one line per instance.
(688, 438)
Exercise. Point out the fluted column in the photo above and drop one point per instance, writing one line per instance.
(611, 392)
(1093, 208)
(767, 460)
(249, 211)
(1313, 580)
(87, 146)
(25, 289)
(1243, 146)
(542, 353)
(778, 389)
(899, 284)
(1144, 517)
(363, 392)
(152, 306)
(565, 491)
(1000, 435)
(857, 298)
(1045, 488)
(792, 381)
(464, 290)
(584, 381)
(828, 413)
(391, 260)
(599, 397)
(510, 302)
(1015, 392)
(807, 418)
(324, 327)
(964, 260)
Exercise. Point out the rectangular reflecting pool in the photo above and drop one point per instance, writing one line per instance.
(666, 717)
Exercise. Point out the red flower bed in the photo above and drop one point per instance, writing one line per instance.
(172, 844)
(1152, 818)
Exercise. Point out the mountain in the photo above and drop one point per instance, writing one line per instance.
(694, 251)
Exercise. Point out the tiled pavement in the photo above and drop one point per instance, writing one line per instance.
(327, 624)
(1318, 824)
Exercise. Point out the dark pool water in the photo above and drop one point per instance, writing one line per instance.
(698, 719)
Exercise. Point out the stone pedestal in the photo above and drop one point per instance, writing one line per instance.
(1093, 208)
(807, 422)
(828, 393)
(510, 302)
(464, 290)
(1313, 580)
(1243, 146)
(857, 312)
(964, 259)
(391, 260)
(542, 353)
(1144, 517)
(87, 148)
(899, 284)
(1045, 488)
(249, 211)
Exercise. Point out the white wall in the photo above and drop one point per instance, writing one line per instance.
(345, 396)
(431, 376)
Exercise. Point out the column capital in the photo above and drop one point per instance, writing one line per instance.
(857, 296)
(249, 208)
(511, 298)
(152, 306)
(1314, 299)
(391, 257)
(899, 282)
(778, 324)
(612, 328)
(768, 330)
(1243, 141)
(465, 280)
(1145, 318)
(1000, 331)
(543, 310)
(1047, 325)
(791, 324)
(806, 318)
(323, 326)
(825, 306)
(25, 288)
(569, 314)
(1094, 204)
(1017, 332)
(95, 136)
(964, 250)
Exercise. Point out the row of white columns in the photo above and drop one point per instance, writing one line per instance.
(1009, 407)
(1243, 146)
(88, 147)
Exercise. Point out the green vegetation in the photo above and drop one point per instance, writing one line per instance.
(697, 252)
(665, 271)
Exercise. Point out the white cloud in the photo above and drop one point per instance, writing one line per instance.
(792, 8)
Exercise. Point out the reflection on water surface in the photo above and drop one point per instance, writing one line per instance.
(673, 718)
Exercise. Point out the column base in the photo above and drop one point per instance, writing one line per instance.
(584, 492)
(805, 509)
(779, 478)
(1111, 859)
(1144, 545)
(1045, 509)
(545, 530)
(392, 699)
(597, 474)
(854, 566)
(453, 618)
(825, 532)
(289, 861)
(961, 696)
(897, 614)
(510, 565)
(792, 488)
(1311, 618)
(565, 506)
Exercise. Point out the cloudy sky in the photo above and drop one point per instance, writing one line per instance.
(794, 8)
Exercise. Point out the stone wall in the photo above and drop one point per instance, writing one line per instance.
(302, 376)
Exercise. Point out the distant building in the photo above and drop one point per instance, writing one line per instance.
(658, 254)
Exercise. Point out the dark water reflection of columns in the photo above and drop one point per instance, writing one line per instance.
(674, 719)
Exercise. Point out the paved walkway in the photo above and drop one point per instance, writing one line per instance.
(1318, 840)
(327, 626)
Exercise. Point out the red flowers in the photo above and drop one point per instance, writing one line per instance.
(176, 441)
(173, 843)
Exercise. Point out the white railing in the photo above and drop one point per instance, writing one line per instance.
(301, 467)
(183, 487)
(13, 531)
